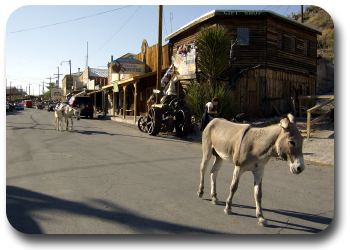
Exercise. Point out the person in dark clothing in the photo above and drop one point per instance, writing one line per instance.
(209, 112)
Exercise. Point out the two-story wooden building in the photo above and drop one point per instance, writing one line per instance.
(275, 58)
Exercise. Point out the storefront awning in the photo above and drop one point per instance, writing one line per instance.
(130, 80)
(94, 92)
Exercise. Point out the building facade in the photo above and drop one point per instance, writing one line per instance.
(275, 58)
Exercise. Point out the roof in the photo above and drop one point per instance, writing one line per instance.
(98, 72)
(233, 13)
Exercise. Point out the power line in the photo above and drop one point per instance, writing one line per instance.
(286, 10)
(117, 31)
(77, 19)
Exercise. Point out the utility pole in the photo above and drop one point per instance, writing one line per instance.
(302, 13)
(50, 88)
(87, 54)
(58, 77)
(29, 88)
(159, 67)
(70, 73)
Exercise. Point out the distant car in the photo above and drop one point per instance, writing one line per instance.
(39, 106)
(77, 101)
(7, 107)
(19, 106)
(51, 107)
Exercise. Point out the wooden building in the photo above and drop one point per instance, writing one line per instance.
(128, 94)
(284, 50)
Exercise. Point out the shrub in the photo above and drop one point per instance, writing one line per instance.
(199, 94)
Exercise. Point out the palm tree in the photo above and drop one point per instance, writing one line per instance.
(213, 49)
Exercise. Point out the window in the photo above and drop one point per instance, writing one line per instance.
(306, 48)
(242, 36)
(293, 44)
(280, 41)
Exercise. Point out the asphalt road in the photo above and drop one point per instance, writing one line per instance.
(106, 177)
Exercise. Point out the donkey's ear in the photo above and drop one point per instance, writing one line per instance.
(291, 118)
(284, 123)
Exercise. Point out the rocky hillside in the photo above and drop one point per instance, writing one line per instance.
(317, 17)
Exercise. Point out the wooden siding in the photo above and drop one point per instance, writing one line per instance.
(259, 90)
(247, 55)
(152, 57)
(284, 59)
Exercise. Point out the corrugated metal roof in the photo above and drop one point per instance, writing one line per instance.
(224, 12)
(98, 72)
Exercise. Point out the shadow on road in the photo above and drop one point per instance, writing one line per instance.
(21, 202)
(314, 218)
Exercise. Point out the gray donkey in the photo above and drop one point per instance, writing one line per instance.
(249, 149)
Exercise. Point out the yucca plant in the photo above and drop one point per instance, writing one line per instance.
(213, 52)
(199, 94)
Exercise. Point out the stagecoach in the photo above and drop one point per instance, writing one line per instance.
(170, 114)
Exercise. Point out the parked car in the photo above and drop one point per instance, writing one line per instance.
(39, 106)
(7, 107)
(77, 101)
(51, 107)
(19, 106)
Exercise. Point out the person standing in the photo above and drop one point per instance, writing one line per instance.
(209, 112)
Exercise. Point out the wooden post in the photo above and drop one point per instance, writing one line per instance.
(308, 125)
(159, 67)
(113, 103)
(135, 101)
(124, 101)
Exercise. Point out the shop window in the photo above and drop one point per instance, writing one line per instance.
(242, 36)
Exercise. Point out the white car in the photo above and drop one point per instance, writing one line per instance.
(19, 106)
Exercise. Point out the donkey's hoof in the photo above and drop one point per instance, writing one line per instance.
(214, 201)
(200, 194)
(262, 222)
(228, 211)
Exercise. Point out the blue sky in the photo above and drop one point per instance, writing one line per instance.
(41, 38)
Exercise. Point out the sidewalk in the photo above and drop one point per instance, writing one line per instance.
(318, 149)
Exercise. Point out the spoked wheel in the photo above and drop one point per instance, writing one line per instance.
(154, 121)
(183, 122)
(142, 124)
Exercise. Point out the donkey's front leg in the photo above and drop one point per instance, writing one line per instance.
(205, 160)
(237, 173)
(213, 174)
(258, 175)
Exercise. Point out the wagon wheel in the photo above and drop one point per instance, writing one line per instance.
(183, 122)
(142, 122)
(154, 121)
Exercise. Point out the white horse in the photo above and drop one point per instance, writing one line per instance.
(68, 112)
(249, 149)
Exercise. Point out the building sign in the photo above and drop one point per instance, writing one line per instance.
(185, 60)
(115, 87)
(57, 92)
(128, 65)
